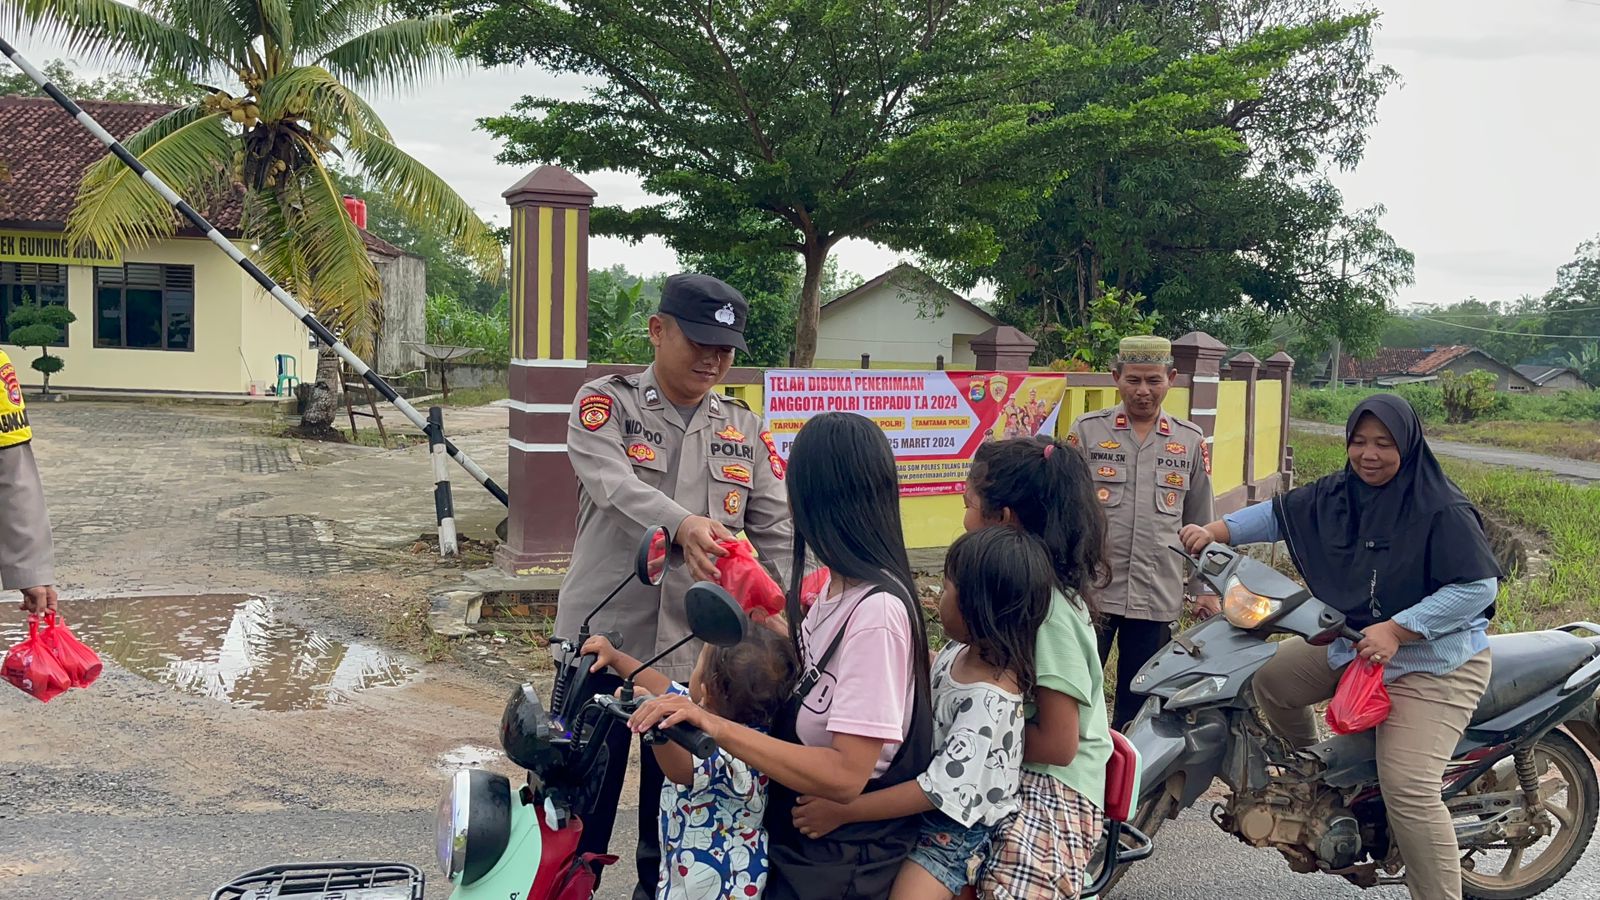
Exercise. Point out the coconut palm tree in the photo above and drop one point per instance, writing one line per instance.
(295, 68)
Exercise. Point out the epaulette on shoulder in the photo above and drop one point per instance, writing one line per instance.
(1185, 423)
(616, 379)
(737, 402)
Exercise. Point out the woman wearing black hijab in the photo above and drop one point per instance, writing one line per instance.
(1397, 547)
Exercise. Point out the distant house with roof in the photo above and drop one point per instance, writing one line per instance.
(902, 319)
(177, 315)
(1392, 366)
(1554, 379)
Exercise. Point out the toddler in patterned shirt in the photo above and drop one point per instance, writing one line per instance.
(713, 842)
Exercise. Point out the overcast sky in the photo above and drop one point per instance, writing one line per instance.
(1486, 156)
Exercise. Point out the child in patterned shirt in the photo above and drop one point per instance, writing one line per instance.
(997, 589)
(713, 842)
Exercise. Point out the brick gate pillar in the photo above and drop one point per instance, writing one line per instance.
(549, 359)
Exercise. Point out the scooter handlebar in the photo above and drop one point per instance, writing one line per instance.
(688, 737)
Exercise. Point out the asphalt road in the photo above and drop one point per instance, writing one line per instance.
(130, 857)
(1195, 860)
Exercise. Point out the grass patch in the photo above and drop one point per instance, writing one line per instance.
(1566, 517)
(1575, 440)
(475, 396)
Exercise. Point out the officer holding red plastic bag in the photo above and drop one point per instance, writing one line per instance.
(662, 448)
(27, 556)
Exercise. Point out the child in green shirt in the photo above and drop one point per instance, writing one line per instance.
(1043, 487)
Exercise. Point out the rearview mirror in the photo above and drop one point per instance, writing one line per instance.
(714, 616)
(651, 563)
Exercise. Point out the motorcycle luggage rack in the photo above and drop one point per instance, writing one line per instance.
(326, 881)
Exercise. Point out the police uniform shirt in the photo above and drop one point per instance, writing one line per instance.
(27, 556)
(640, 464)
(1149, 490)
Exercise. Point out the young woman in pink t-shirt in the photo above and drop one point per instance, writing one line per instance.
(861, 718)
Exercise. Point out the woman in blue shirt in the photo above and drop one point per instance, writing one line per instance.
(1396, 546)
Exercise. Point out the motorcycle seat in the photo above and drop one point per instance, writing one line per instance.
(1527, 665)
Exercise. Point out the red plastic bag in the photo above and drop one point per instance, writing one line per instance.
(1362, 702)
(743, 577)
(33, 669)
(81, 664)
(811, 588)
(747, 580)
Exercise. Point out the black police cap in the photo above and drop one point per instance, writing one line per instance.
(710, 311)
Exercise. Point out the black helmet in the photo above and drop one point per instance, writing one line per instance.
(526, 734)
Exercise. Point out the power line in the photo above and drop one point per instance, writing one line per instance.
(1520, 333)
(1420, 314)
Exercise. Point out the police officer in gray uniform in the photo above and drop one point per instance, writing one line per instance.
(27, 554)
(660, 448)
(1152, 474)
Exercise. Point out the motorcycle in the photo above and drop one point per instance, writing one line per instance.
(1520, 779)
(496, 840)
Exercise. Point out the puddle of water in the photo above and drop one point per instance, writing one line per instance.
(468, 756)
(230, 647)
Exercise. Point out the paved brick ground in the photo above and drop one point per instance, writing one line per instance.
(158, 492)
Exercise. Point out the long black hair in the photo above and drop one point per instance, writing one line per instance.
(1047, 487)
(1003, 581)
(845, 497)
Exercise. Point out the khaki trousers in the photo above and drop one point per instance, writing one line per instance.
(1428, 714)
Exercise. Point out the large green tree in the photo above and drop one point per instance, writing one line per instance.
(1573, 305)
(770, 125)
(297, 68)
(1198, 228)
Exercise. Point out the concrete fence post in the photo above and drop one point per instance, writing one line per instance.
(1280, 366)
(1003, 349)
(1199, 356)
(549, 362)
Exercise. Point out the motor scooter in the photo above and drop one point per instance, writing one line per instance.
(519, 842)
(1521, 788)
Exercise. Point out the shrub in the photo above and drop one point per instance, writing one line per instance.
(1467, 397)
(39, 325)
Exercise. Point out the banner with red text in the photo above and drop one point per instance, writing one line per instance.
(934, 420)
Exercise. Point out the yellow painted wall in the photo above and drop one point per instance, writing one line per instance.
(235, 321)
(1269, 426)
(267, 330)
(1227, 451)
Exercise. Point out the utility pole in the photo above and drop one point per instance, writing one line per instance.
(1333, 373)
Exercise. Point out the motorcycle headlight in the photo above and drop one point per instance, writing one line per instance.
(473, 824)
(1199, 692)
(1246, 609)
